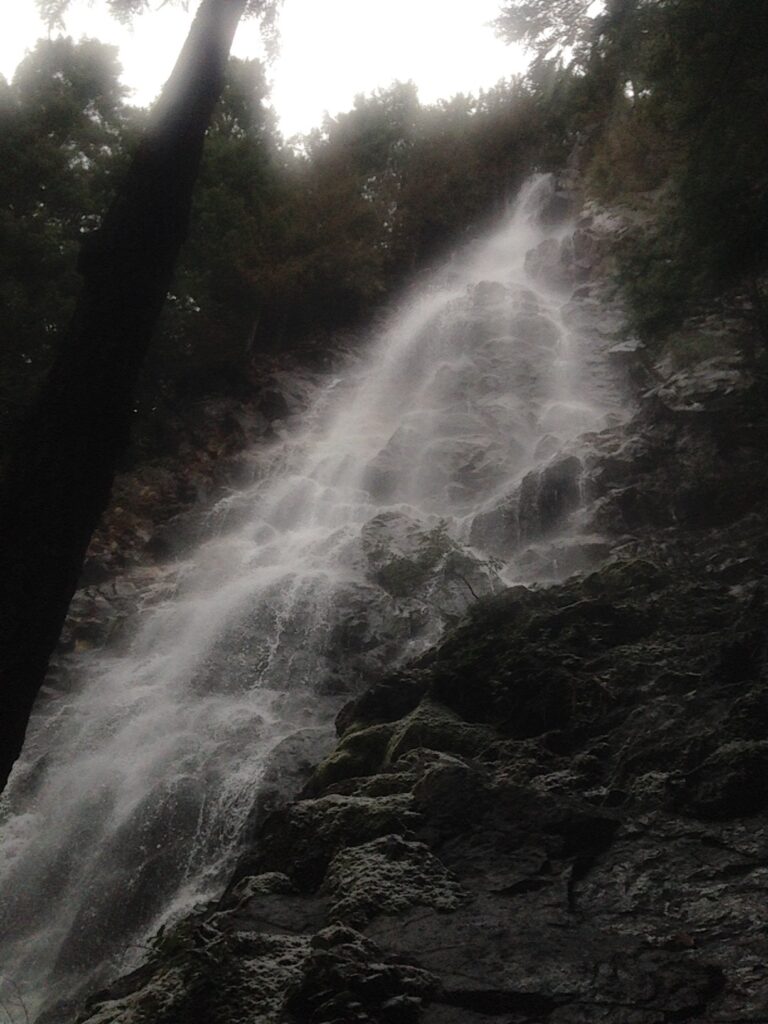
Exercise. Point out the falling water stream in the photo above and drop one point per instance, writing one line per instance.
(352, 551)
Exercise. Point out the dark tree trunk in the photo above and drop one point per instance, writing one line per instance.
(60, 474)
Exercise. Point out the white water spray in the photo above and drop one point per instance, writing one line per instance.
(365, 538)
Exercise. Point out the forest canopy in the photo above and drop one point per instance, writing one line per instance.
(671, 96)
(665, 100)
(285, 243)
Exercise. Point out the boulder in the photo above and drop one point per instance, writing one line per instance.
(305, 837)
(497, 530)
(436, 727)
(360, 752)
(411, 561)
(387, 876)
(348, 978)
(557, 208)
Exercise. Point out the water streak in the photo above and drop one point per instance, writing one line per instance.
(353, 553)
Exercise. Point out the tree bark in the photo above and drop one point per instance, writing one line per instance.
(60, 474)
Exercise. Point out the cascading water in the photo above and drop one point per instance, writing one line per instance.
(365, 537)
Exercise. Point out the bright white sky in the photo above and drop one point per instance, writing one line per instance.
(330, 49)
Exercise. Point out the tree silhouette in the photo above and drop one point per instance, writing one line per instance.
(59, 474)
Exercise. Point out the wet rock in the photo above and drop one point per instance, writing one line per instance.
(270, 903)
(559, 813)
(593, 314)
(411, 561)
(714, 384)
(636, 578)
(551, 264)
(448, 789)
(548, 446)
(387, 876)
(548, 496)
(367, 625)
(400, 552)
(348, 979)
(386, 700)
(486, 292)
(382, 474)
(308, 834)
(497, 530)
(536, 329)
(452, 466)
(571, 826)
(652, 885)
(568, 261)
(522, 693)
(560, 559)
(557, 208)
(273, 405)
(433, 726)
(732, 782)
(360, 752)
(288, 768)
(232, 979)
(632, 508)
(547, 964)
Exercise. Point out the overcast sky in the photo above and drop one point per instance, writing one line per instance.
(330, 49)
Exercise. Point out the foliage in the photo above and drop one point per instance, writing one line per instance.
(208, 321)
(664, 97)
(545, 26)
(710, 81)
(382, 190)
(401, 575)
(285, 242)
(63, 135)
(53, 11)
(288, 243)
(707, 95)
(672, 97)
(654, 278)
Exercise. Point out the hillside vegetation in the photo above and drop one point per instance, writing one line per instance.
(661, 105)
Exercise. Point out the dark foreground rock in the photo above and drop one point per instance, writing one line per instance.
(560, 814)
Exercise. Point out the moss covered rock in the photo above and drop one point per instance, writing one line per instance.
(304, 838)
(360, 752)
(386, 876)
(435, 727)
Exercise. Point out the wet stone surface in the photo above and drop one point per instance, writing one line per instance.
(557, 815)
(559, 812)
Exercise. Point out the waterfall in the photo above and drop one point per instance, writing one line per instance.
(422, 479)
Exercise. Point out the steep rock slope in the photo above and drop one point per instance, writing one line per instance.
(561, 812)
(162, 504)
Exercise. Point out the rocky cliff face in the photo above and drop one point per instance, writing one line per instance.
(560, 813)
(160, 506)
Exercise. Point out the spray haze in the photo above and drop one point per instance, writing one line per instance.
(375, 524)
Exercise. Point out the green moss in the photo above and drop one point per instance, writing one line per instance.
(358, 753)
(436, 727)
